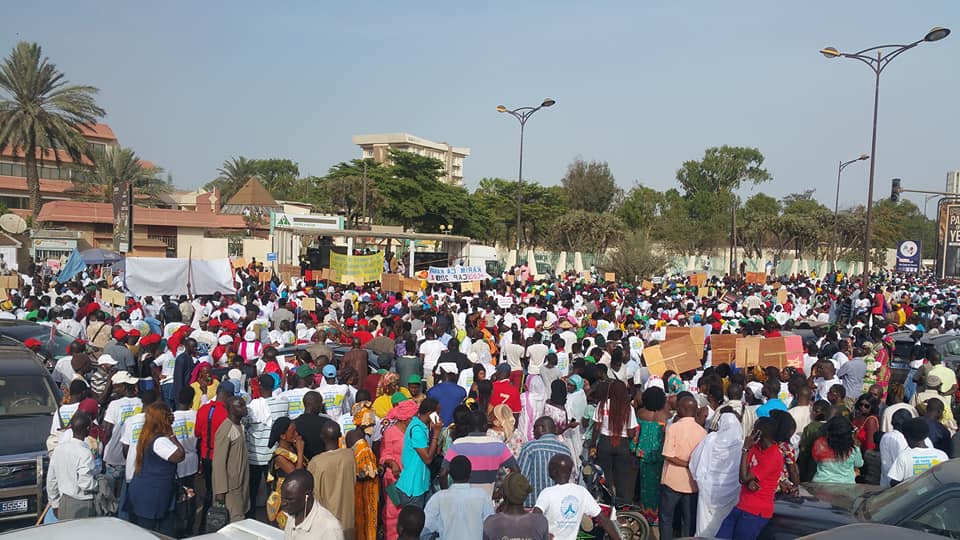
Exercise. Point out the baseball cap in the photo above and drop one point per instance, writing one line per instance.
(414, 379)
(329, 370)
(122, 377)
(227, 387)
(305, 371)
(106, 360)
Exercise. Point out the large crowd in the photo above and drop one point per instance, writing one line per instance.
(450, 414)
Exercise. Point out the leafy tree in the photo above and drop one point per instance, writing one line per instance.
(232, 175)
(117, 167)
(633, 258)
(640, 207)
(760, 216)
(590, 186)
(42, 111)
(723, 169)
(592, 232)
(676, 231)
(410, 177)
(539, 207)
(279, 176)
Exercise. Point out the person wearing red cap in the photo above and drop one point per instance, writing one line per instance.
(118, 350)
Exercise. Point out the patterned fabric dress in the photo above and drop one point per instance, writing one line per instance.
(648, 447)
(275, 476)
(366, 491)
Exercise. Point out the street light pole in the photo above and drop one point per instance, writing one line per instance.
(522, 114)
(836, 208)
(884, 55)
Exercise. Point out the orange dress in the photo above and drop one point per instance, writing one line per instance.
(366, 492)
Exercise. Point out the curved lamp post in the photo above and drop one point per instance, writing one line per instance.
(836, 207)
(877, 59)
(522, 114)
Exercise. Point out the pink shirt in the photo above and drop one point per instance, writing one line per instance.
(681, 439)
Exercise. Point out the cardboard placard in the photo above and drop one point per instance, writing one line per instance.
(609, 276)
(723, 348)
(291, 269)
(748, 351)
(782, 296)
(239, 262)
(308, 304)
(773, 352)
(794, 345)
(756, 278)
(265, 276)
(10, 282)
(470, 286)
(698, 278)
(107, 275)
(696, 335)
(326, 274)
(646, 285)
(703, 291)
(391, 282)
(678, 355)
(113, 297)
(411, 284)
(729, 298)
(505, 302)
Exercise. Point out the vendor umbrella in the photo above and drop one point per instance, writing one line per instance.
(100, 256)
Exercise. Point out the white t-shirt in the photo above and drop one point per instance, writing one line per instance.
(130, 438)
(118, 412)
(823, 386)
(63, 416)
(564, 506)
(295, 401)
(604, 425)
(915, 461)
(431, 350)
(166, 362)
(537, 354)
(333, 397)
(183, 428)
(513, 353)
(63, 372)
(892, 444)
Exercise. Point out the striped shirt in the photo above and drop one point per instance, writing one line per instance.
(263, 413)
(486, 454)
(534, 462)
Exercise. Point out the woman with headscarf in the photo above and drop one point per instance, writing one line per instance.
(648, 447)
(391, 449)
(576, 408)
(882, 360)
(204, 385)
(715, 465)
(532, 401)
(287, 457)
(388, 386)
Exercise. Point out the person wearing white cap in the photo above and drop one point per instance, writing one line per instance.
(100, 379)
(118, 412)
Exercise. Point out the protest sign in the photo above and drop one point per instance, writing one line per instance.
(756, 278)
(10, 282)
(748, 351)
(609, 276)
(678, 355)
(265, 276)
(391, 282)
(456, 274)
(773, 352)
(113, 297)
(411, 284)
(646, 285)
(504, 301)
(696, 334)
(723, 348)
(308, 304)
(238, 262)
(471, 286)
(782, 296)
(359, 268)
(698, 278)
(794, 346)
(107, 275)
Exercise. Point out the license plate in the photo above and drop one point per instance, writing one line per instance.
(17, 505)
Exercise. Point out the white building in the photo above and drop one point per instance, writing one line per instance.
(378, 146)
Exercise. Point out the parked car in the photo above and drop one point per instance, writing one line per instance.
(28, 401)
(110, 527)
(929, 503)
(948, 346)
(873, 531)
(54, 342)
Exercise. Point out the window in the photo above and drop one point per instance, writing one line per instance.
(167, 235)
(942, 519)
(952, 347)
(235, 246)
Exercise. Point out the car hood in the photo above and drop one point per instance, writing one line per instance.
(818, 507)
(31, 436)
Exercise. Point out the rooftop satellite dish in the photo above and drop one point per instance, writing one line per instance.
(12, 223)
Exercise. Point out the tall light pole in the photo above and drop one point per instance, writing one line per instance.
(522, 114)
(878, 58)
(836, 208)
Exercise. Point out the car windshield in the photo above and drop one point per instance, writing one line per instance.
(25, 394)
(891, 504)
(58, 345)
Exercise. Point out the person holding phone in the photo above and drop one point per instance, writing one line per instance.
(420, 444)
(760, 466)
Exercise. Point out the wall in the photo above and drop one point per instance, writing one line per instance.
(203, 248)
(256, 248)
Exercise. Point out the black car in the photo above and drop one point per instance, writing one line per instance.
(929, 502)
(54, 342)
(28, 401)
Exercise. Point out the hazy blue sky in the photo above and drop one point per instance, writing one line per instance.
(642, 85)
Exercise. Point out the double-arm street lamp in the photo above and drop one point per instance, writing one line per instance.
(877, 59)
(522, 114)
(836, 208)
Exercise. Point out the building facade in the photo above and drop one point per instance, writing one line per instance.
(55, 181)
(377, 147)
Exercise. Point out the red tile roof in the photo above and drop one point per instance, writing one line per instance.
(46, 186)
(83, 212)
(99, 131)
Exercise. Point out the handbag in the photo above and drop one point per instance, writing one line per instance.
(218, 517)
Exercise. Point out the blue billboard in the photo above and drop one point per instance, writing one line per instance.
(908, 256)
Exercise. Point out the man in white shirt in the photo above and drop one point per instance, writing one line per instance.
(892, 444)
(118, 412)
(70, 475)
(430, 351)
(306, 520)
(564, 504)
(69, 326)
(918, 458)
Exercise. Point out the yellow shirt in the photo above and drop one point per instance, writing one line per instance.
(383, 404)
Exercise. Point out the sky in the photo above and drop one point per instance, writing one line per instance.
(643, 86)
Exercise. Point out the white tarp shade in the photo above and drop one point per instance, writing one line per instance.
(156, 276)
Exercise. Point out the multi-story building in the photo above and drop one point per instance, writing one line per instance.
(377, 147)
(55, 181)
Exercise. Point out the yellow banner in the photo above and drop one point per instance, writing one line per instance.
(356, 268)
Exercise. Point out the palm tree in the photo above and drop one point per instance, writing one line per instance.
(42, 112)
(234, 173)
(116, 167)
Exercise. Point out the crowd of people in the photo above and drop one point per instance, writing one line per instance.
(449, 414)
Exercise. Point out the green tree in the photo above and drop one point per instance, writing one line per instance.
(411, 177)
(640, 207)
(279, 176)
(117, 167)
(759, 219)
(633, 258)
(590, 186)
(539, 206)
(42, 111)
(232, 175)
(592, 232)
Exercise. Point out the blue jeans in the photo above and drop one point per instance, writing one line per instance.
(909, 386)
(117, 474)
(166, 393)
(741, 525)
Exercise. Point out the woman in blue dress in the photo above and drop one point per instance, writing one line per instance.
(151, 492)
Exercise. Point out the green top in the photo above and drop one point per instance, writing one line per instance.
(839, 471)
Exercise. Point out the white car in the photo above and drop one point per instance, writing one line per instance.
(109, 527)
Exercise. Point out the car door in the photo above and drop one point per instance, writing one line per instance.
(951, 352)
(940, 517)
